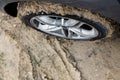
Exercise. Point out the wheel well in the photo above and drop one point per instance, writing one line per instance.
(11, 9)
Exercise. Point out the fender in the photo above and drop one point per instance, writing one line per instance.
(108, 8)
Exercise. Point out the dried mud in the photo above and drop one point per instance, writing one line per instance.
(28, 8)
(26, 54)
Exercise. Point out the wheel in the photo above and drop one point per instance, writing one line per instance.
(63, 21)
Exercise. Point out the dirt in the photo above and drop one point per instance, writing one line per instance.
(27, 8)
(26, 54)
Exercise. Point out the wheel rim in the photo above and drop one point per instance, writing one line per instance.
(64, 27)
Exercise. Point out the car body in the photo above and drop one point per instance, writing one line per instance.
(108, 8)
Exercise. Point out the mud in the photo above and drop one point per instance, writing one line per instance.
(48, 8)
(26, 54)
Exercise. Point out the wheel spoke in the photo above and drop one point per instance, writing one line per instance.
(69, 34)
(54, 28)
(62, 21)
(76, 31)
(78, 25)
(71, 22)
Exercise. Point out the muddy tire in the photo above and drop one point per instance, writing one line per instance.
(26, 10)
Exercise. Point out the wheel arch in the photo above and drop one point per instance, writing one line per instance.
(10, 6)
(97, 6)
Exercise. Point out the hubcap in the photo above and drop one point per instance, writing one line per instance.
(64, 27)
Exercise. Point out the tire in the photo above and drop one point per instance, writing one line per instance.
(26, 10)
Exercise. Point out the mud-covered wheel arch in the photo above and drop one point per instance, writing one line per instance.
(27, 8)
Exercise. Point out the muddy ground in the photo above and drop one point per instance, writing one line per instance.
(26, 54)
